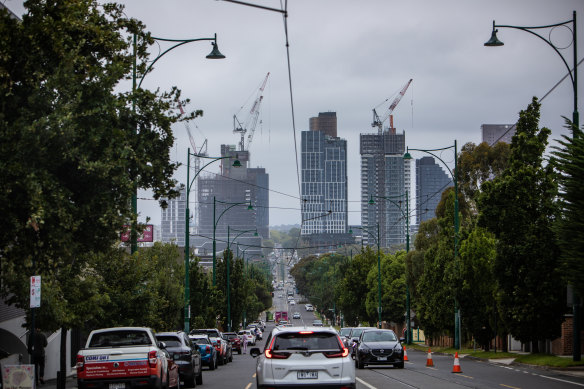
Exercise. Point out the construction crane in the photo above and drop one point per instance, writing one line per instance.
(377, 121)
(251, 122)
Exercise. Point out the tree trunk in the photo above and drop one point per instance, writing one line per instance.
(535, 347)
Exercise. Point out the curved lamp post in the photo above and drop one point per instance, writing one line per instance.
(241, 232)
(406, 216)
(378, 238)
(456, 222)
(494, 42)
(215, 54)
(190, 183)
(573, 73)
(215, 222)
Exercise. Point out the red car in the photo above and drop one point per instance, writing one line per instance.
(235, 341)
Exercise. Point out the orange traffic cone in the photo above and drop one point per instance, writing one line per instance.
(456, 367)
(405, 354)
(429, 362)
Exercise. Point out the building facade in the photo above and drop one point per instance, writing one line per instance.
(431, 181)
(224, 206)
(384, 173)
(325, 122)
(172, 222)
(324, 186)
(493, 133)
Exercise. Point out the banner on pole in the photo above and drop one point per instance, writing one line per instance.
(35, 291)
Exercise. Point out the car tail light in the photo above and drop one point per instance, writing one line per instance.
(343, 353)
(269, 354)
(152, 358)
(208, 349)
(307, 332)
(80, 362)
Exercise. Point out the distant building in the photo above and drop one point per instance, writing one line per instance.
(384, 173)
(324, 184)
(172, 226)
(216, 198)
(431, 181)
(325, 122)
(493, 133)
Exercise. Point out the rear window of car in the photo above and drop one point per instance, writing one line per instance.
(345, 331)
(169, 340)
(306, 341)
(201, 340)
(378, 336)
(356, 332)
(120, 338)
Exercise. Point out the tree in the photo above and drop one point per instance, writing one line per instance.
(73, 150)
(393, 288)
(519, 208)
(570, 165)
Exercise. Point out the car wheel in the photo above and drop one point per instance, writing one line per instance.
(239, 351)
(190, 383)
(231, 357)
(360, 365)
(399, 365)
(212, 364)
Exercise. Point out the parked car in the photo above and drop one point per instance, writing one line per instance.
(308, 357)
(317, 323)
(345, 335)
(379, 347)
(248, 336)
(185, 354)
(223, 347)
(256, 331)
(172, 371)
(207, 350)
(234, 340)
(309, 307)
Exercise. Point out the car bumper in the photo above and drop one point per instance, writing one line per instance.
(370, 359)
(129, 383)
(350, 385)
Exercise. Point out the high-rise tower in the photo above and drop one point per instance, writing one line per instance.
(172, 224)
(431, 181)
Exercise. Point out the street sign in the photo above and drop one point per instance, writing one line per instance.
(35, 291)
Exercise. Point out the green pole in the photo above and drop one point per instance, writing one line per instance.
(378, 277)
(133, 232)
(456, 227)
(408, 308)
(228, 287)
(187, 314)
(214, 245)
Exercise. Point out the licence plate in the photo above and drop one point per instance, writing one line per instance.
(382, 358)
(310, 375)
(119, 385)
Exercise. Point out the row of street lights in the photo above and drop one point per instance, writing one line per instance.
(493, 42)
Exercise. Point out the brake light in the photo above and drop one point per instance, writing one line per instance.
(208, 349)
(80, 362)
(270, 355)
(343, 353)
(307, 332)
(152, 358)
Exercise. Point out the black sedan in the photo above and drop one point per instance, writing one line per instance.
(379, 347)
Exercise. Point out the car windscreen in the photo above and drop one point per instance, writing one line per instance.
(379, 336)
(356, 332)
(214, 333)
(345, 331)
(120, 338)
(169, 340)
(306, 341)
(201, 340)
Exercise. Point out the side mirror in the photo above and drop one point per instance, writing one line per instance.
(255, 352)
(161, 345)
(402, 340)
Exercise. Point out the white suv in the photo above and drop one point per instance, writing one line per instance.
(309, 307)
(304, 356)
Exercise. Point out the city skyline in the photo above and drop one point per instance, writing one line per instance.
(350, 57)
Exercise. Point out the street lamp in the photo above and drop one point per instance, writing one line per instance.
(407, 155)
(406, 216)
(494, 42)
(378, 238)
(573, 73)
(216, 221)
(190, 183)
(215, 54)
(227, 265)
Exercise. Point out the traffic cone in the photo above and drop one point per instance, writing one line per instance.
(456, 367)
(429, 362)
(405, 354)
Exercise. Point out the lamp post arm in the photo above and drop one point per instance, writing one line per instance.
(437, 157)
(181, 42)
(528, 29)
(215, 159)
(226, 209)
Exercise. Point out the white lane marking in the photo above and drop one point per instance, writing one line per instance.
(365, 383)
(558, 379)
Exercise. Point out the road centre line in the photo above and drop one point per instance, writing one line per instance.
(365, 383)
(561, 380)
(248, 386)
(507, 386)
(467, 376)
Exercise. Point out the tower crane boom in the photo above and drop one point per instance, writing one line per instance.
(251, 122)
(377, 121)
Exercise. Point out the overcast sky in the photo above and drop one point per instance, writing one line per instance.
(349, 56)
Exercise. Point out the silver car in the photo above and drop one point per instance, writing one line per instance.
(308, 357)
